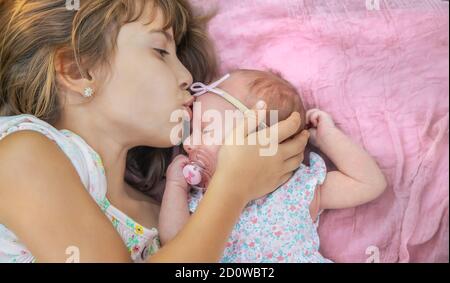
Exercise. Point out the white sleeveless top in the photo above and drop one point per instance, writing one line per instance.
(140, 241)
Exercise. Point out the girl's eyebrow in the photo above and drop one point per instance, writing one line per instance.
(167, 35)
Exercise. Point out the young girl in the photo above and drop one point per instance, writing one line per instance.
(280, 227)
(79, 91)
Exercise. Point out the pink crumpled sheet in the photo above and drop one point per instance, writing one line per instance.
(384, 77)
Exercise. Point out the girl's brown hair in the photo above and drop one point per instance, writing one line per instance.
(34, 31)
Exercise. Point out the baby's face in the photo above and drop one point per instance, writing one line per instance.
(210, 127)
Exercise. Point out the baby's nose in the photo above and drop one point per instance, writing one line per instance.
(187, 145)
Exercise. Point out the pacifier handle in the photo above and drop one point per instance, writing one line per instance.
(193, 175)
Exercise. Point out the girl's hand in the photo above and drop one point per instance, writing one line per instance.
(252, 175)
(321, 123)
(174, 174)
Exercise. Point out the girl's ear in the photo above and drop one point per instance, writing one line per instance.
(74, 84)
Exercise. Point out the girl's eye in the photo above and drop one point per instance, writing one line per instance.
(163, 53)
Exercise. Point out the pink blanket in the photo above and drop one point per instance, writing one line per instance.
(383, 73)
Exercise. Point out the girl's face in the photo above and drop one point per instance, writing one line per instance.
(145, 85)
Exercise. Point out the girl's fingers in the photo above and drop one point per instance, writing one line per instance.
(251, 121)
(287, 127)
(293, 163)
(295, 146)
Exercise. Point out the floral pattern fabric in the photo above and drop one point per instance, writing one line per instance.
(140, 241)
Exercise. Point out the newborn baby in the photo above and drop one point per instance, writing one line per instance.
(282, 226)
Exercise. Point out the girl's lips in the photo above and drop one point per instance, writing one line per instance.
(188, 107)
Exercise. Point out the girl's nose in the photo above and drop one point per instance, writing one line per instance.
(185, 77)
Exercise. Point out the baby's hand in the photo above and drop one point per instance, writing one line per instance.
(321, 123)
(174, 212)
(174, 174)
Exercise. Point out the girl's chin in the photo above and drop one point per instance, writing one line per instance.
(170, 140)
(162, 143)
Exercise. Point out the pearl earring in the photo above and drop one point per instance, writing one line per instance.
(88, 92)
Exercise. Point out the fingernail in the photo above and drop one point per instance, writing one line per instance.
(260, 105)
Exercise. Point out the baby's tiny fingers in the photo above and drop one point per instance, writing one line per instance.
(181, 160)
(308, 116)
(315, 118)
(312, 112)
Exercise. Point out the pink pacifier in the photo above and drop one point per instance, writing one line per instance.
(193, 174)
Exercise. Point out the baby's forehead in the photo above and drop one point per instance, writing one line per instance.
(237, 86)
(211, 106)
(210, 101)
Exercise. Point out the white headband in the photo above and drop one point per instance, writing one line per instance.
(200, 89)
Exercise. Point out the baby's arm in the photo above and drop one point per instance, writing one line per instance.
(359, 179)
(174, 207)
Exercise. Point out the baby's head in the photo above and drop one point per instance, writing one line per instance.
(249, 87)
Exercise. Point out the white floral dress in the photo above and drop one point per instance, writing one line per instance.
(140, 241)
